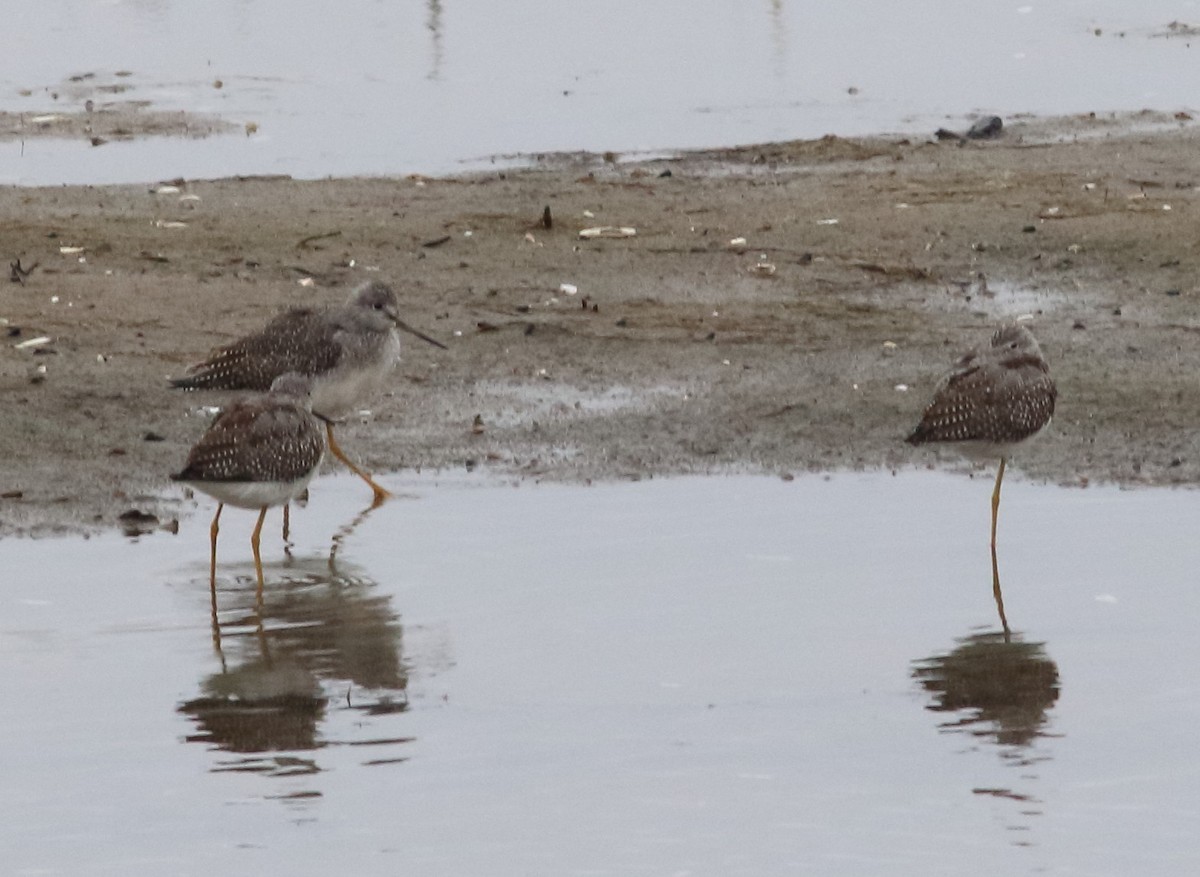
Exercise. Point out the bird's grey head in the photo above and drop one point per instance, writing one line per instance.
(373, 306)
(375, 303)
(1015, 339)
(292, 384)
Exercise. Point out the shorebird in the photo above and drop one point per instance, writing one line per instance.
(995, 398)
(349, 351)
(262, 451)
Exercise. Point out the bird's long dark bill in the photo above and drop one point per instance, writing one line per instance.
(400, 324)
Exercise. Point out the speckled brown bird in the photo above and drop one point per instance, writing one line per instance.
(995, 398)
(262, 451)
(349, 352)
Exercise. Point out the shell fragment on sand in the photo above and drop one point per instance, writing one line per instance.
(33, 342)
(608, 231)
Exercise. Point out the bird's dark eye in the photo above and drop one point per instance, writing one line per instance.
(379, 306)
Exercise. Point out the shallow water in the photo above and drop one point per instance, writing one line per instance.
(435, 86)
(692, 676)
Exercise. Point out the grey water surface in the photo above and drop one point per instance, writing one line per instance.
(698, 676)
(435, 86)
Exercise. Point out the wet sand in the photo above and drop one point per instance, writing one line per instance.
(680, 349)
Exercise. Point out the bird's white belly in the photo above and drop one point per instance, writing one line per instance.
(254, 494)
(984, 452)
(346, 389)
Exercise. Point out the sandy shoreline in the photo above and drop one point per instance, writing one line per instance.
(679, 351)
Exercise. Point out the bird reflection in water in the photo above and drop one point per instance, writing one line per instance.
(996, 688)
(345, 532)
(319, 642)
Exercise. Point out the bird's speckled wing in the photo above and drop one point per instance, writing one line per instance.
(988, 400)
(300, 340)
(256, 440)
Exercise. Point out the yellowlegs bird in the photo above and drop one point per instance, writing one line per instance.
(348, 351)
(995, 398)
(259, 452)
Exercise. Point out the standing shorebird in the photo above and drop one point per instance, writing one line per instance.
(348, 351)
(260, 452)
(995, 398)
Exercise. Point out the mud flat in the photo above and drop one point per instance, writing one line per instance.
(777, 308)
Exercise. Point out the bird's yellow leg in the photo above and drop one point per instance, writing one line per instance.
(380, 493)
(996, 501)
(999, 596)
(213, 529)
(258, 557)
